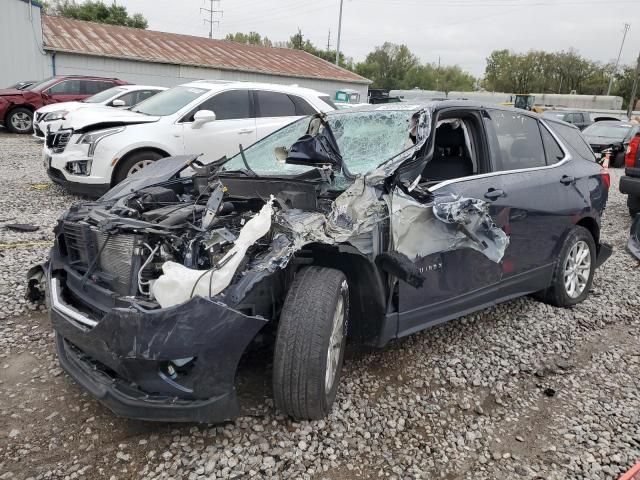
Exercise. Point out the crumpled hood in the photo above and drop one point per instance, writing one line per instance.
(6, 92)
(102, 117)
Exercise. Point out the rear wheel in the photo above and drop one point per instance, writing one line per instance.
(134, 163)
(20, 120)
(573, 273)
(310, 343)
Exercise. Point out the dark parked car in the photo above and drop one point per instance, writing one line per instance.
(580, 119)
(630, 181)
(363, 224)
(611, 135)
(17, 105)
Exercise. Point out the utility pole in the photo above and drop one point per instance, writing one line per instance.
(339, 34)
(211, 11)
(329, 42)
(634, 90)
(438, 76)
(615, 70)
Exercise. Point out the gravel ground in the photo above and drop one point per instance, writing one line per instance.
(521, 390)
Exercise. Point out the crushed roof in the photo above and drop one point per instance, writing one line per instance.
(90, 38)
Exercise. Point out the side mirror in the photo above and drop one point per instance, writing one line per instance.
(201, 117)
(118, 103)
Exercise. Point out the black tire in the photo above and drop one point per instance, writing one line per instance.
(302, 343)
(124, 166)
(618, 160)
(633, 203)
(16, 118)
(557, 294)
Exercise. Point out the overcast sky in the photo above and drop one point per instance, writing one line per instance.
(461, 32)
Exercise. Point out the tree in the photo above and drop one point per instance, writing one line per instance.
(387, 65)
(95, 11)
(251, 38)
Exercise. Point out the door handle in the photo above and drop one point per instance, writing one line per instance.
(493, 194)
(246, 130)
(567, 180)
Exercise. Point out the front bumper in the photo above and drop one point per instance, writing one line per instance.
(91, 190)
(630, 185)
(120, 357)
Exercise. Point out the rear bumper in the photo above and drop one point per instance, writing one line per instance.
(91, 190)
(630, 185)
(122, 358)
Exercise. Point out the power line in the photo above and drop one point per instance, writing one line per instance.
(615, 69)
(211, 11)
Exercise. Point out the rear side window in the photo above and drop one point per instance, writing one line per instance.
(552, 150)
(519, 140)
(574, 139)
(275, 104)
(327, 99)
(91, 87)
(302, 106)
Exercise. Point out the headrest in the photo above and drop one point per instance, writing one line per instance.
(447, 136)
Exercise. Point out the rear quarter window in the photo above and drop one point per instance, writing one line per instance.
(574, 139)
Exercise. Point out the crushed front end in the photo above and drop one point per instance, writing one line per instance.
(141, 360)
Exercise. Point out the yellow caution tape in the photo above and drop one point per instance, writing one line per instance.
(40, 186)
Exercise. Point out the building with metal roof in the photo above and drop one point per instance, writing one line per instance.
(38, 46)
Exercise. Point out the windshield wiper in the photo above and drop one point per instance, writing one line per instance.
(244, 160)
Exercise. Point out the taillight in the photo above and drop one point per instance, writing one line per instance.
(632, 150)
(606, 179)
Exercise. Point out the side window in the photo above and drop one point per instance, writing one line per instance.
(552, 150)
(574, 139)
(229, 105)
(275, 104)
(302, 106)
(129, 99)
(143, 95)
(519, 140)
(68, 87)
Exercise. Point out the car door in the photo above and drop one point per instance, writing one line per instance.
(463, 279)
(235, 125)
(65, 91)
(277, 109)
(539, 197)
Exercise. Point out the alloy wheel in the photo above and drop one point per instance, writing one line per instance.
(21, 121)
(334, 350)
(577, 269)
(136, 167)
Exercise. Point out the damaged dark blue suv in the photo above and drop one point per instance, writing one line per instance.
(362, 224)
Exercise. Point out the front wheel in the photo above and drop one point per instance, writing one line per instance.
(20, 120)
(573, 272)
(310, 343)
(134, 163)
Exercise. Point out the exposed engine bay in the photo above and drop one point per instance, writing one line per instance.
(122, 244)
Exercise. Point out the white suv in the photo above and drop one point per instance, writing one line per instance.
(97, 148)
(49, 118)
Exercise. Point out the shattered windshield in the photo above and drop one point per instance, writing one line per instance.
(365, 138)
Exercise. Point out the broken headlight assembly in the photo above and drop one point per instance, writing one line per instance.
(93, 138)
(79, 167)
(57, 115)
